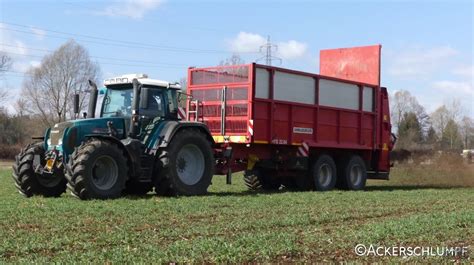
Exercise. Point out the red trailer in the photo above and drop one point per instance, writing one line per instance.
(294, 128)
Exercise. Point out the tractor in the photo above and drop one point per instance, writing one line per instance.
(137, 143)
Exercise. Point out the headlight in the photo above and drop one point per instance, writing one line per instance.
(49, 141)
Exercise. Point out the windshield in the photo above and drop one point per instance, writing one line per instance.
(118, 103)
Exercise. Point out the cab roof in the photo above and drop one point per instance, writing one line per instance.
(142, 78)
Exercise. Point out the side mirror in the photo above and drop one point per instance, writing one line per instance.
(76, 104)
(144, 98)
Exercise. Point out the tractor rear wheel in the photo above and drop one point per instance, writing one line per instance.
(30, 183)
(97, 169)
(260, 179)
(186, 165)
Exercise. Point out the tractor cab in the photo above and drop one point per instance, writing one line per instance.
(156, 100)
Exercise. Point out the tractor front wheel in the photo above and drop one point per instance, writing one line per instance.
(261, 179)
(28, 181)
(97, 169)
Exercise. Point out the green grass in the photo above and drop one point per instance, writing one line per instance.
(233, 225)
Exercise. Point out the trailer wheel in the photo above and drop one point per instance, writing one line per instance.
(30, 183)
(188, 167)
(324, 173)
(352, 174)
(257, 179)
(97, 169)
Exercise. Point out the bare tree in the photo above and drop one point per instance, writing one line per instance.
(184, 83)
(49, 89)
(451, 110)
(235, 59)
(455, 109)
(467, 132)
(439, 119)
(5, 64)
(403, 102)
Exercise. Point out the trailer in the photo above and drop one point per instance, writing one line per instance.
(292, 128)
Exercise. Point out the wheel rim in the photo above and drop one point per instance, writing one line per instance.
(190, 164)
(356, 175)
(325, 175)
(104, 172)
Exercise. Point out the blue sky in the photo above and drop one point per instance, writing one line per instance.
(427, 46)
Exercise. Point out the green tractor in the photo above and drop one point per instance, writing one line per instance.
(138, 142)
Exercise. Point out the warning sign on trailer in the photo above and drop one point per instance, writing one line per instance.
(303, 130)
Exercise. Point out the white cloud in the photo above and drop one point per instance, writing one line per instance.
(23, 66)
(135, 9)
(38, 32)
(251, 42)
(466, 71)
(11, 46)
(458, 88)
(292, 49)
(420, 61)
(247, 42)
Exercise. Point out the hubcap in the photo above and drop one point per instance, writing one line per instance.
(190, 164)
(355, 175)
(104, 172)
(325, 174)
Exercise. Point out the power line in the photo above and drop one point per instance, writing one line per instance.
(110, 42)
(268, 47)
(106, 63)
(99, 57)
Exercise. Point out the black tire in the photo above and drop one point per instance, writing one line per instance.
(134, 187)
(259, 179)
(186, 166)
(324, 173)
(352, 173)
(28, 182)
(97, 169)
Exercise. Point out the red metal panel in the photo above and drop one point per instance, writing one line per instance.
(206, 85)
(286, 123)
(361, 64)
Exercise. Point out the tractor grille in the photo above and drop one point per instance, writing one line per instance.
(57, 132)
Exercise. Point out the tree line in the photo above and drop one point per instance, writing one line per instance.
(48, 90)
(446, 128)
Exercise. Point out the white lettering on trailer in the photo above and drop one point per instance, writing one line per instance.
(279, 141)
(303, 130)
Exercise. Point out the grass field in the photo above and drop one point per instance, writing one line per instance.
(415, 208)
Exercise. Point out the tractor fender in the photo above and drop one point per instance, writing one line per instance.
(130, 146)
(172, 127)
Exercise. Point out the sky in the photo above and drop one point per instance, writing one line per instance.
(427, 46)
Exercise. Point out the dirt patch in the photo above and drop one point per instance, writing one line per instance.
(6, 164)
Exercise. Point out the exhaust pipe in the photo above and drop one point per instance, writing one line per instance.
(134, 126)
(92, 99)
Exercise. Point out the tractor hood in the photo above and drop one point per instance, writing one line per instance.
(65, 136)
